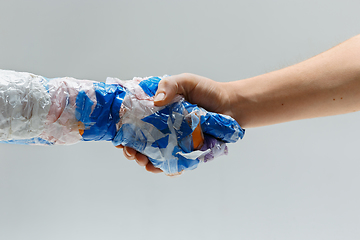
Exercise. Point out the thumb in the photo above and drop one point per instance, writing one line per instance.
(170, 86)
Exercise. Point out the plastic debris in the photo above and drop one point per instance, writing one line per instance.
(35, 110)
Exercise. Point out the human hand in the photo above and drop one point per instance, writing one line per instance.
(204, 92)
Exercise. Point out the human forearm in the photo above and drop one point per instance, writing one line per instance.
(327, 84)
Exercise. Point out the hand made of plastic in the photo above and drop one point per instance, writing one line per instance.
(177, 137)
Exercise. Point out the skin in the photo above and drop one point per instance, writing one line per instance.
(324, 85)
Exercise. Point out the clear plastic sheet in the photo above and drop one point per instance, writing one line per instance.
(177, 137)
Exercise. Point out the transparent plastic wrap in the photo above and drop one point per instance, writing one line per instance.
(176, 137)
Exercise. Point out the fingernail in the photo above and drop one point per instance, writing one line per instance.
(126, 152)
(159, 97)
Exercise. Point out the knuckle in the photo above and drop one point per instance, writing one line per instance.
(164, 82)
(187, 75)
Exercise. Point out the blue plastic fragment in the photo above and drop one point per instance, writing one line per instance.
(185, 130)
(221, 127)
(36, 140)
(159, 120)
(186, 144)
(150, 85)
(83, 108)
(184, 163)
(100, 125)
(162, 142)
(129, 136)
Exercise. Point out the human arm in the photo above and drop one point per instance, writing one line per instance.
(324, 85)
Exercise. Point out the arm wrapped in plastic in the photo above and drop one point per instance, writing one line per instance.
(177, 137)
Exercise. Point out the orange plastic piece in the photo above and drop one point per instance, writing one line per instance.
(198, 138)
(81, 128)
(81, 131)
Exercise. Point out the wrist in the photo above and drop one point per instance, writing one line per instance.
(237, 102)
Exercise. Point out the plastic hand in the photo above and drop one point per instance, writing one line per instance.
(204, 92)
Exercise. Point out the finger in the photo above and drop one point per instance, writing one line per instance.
(150, 167)
(170, 86)
(129, 153)
(141, 159)
(119, 146)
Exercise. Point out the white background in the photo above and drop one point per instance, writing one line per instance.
(298, 180)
